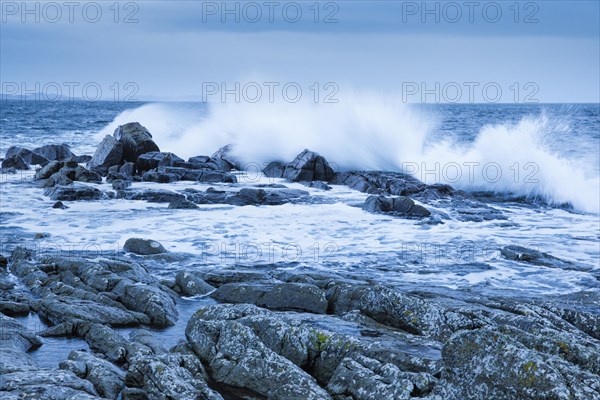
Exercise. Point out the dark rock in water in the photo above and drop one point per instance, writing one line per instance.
(60, 204)
(143, 247)
(107, 378)
(158, 177)
(190, 284)
(108, 153)
(151, 160)
(317, 185)
(27, 155)
(182, 204)
(275, 169)
(308, 166)
(199, 160)
(378, 182)
(536, 257)
(136, 140)
(73, 192)
(403, 206)
(283, 296)
(224, 161)
(151, 195)
(16, 162)
(248, 196)
(15, 341)
(198, 175)
(68, 172)
(56, 308)
(55, 152)
(121, 184)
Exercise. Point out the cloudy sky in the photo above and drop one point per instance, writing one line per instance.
(547, 51)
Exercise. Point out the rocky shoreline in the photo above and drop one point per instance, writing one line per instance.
(273, 331)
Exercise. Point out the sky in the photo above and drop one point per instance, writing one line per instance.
(435, 51)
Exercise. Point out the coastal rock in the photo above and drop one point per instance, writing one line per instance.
(73, 192)
(235, 356)
(224, 161)
(190, 284)
(308, 166)
(182, 204)
(16, 162)
(143, 247)
(60, 205)
(15, 342)
(283, 296)
(121, 184)
(69, 172)
(106, 377)
(198, 175)
(274, 169)
(536, 257)
(151, 195)
(108, 153)
(136, 141)
(55, 152)
(29, 156)
(154, 159)
(46, 384)
(402, 206)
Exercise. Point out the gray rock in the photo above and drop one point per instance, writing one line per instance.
(275, 169)
(190, 284)
(283, 296)
(48, 170)
(136, 141)
(55, 152)
(16, 162)
(402, 206)
(182, 204)
(170, 376)
(536, 257)
(151, 195)
(73, 192)
(317, 185)
(13, 308)
(235, 356)
(127, 169)
(308, 166)
(15, 341)
(107, 378)
(224, 161)
(69, 172)
(143, 247)
(158, 177)
(47, 385)
(27, 155)
(59, 204)
(154, 159)
(121, 184)
(108, 153)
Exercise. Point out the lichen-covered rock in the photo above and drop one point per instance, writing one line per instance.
(235, 356)
(190, 284)
(107, 378)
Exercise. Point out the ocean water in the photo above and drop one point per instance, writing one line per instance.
(547, 156)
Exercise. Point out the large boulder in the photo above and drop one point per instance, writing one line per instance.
(223, 159)
(308, 166)
(58, 152)
(108, 153)
(68, 172)
(402, 205)
(106, 377)
(136, 140)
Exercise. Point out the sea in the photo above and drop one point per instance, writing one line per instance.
(540, 163)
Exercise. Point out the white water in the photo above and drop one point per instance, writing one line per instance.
(374, 134)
